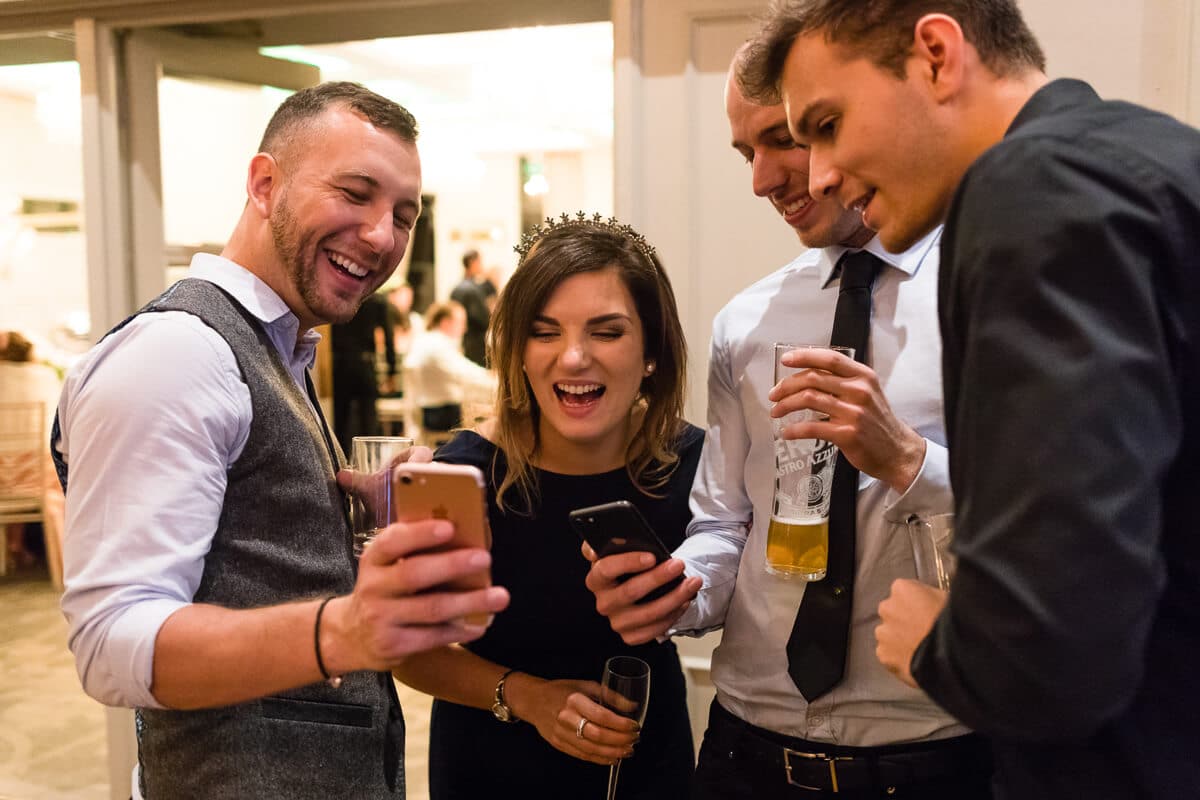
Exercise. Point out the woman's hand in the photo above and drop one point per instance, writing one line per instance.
(558, 709)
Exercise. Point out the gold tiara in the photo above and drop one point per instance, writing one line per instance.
(582, 220)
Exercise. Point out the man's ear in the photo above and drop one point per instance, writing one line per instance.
(263, 180)
(940, 50)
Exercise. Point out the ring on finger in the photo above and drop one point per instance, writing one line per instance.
(579, 728)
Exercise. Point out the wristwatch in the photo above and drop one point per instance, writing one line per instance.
(501, 710)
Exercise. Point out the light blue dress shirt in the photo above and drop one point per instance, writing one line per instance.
(732, 494)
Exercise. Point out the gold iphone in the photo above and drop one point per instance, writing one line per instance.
(453, 492)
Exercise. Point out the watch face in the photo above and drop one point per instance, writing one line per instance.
(502, 712)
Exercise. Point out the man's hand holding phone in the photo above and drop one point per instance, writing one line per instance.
(422, 583)
(401, 604)
(620, 581)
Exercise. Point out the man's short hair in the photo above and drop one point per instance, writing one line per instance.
(438, 312)
(296, 115)
(469, 257)
(882, 31)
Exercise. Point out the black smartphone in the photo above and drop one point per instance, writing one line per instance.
(618, 527)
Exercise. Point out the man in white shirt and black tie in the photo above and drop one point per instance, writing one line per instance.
(860, 734)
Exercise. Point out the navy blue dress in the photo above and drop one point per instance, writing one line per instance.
(551, 629)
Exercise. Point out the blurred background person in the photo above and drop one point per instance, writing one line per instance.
(23, 379)
(437, 376)
(406, 322)
(489, 283)
(356, 383)
(473, 299)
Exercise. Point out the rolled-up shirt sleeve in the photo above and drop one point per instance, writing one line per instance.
(151, 421)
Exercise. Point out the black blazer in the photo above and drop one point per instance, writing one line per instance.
(1070, 312)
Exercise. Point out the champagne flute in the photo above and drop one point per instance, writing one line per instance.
(625, 689)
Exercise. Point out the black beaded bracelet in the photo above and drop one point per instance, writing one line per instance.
(333, 680)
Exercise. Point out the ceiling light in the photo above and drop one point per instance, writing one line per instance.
(537, 185)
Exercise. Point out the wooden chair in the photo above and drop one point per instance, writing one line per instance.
(479, 404)
(27, 486)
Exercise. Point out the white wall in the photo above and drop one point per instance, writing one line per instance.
(477, 209)
(209, 130)
(1144, 51)
(478, 201)
(43, 276)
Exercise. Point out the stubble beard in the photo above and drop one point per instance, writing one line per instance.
(298, 258)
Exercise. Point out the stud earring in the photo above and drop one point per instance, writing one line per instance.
(649, 368)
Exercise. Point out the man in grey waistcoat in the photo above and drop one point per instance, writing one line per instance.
(210, 582)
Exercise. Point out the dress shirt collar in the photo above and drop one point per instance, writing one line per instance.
(907, 262)
(262, 302)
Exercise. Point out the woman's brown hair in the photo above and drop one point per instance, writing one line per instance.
(568, 249)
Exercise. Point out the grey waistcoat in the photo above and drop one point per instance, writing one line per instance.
(282, 536)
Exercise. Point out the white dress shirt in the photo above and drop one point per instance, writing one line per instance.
(152, 418)
(440, 374)
(731, 500)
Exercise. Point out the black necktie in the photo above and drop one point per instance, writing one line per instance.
(816, 649)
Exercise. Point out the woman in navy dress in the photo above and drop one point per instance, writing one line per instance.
(590, 356)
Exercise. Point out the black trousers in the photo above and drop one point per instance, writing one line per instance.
(741, 762)
(354, 394)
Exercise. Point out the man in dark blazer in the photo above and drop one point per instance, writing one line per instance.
(1070, 312)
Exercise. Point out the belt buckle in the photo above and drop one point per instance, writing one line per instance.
(830, 760)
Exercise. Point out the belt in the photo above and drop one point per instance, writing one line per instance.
(831, 768)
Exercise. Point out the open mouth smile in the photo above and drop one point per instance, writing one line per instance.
(346, 265)
(797, 206)
(578, 395)
(794, 210)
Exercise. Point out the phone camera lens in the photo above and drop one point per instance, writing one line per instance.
(406, 479)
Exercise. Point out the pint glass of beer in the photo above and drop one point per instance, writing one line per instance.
(798, 534)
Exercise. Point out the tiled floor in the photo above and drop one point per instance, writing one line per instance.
(52, 735)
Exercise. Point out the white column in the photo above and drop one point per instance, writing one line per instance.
(105, 194)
